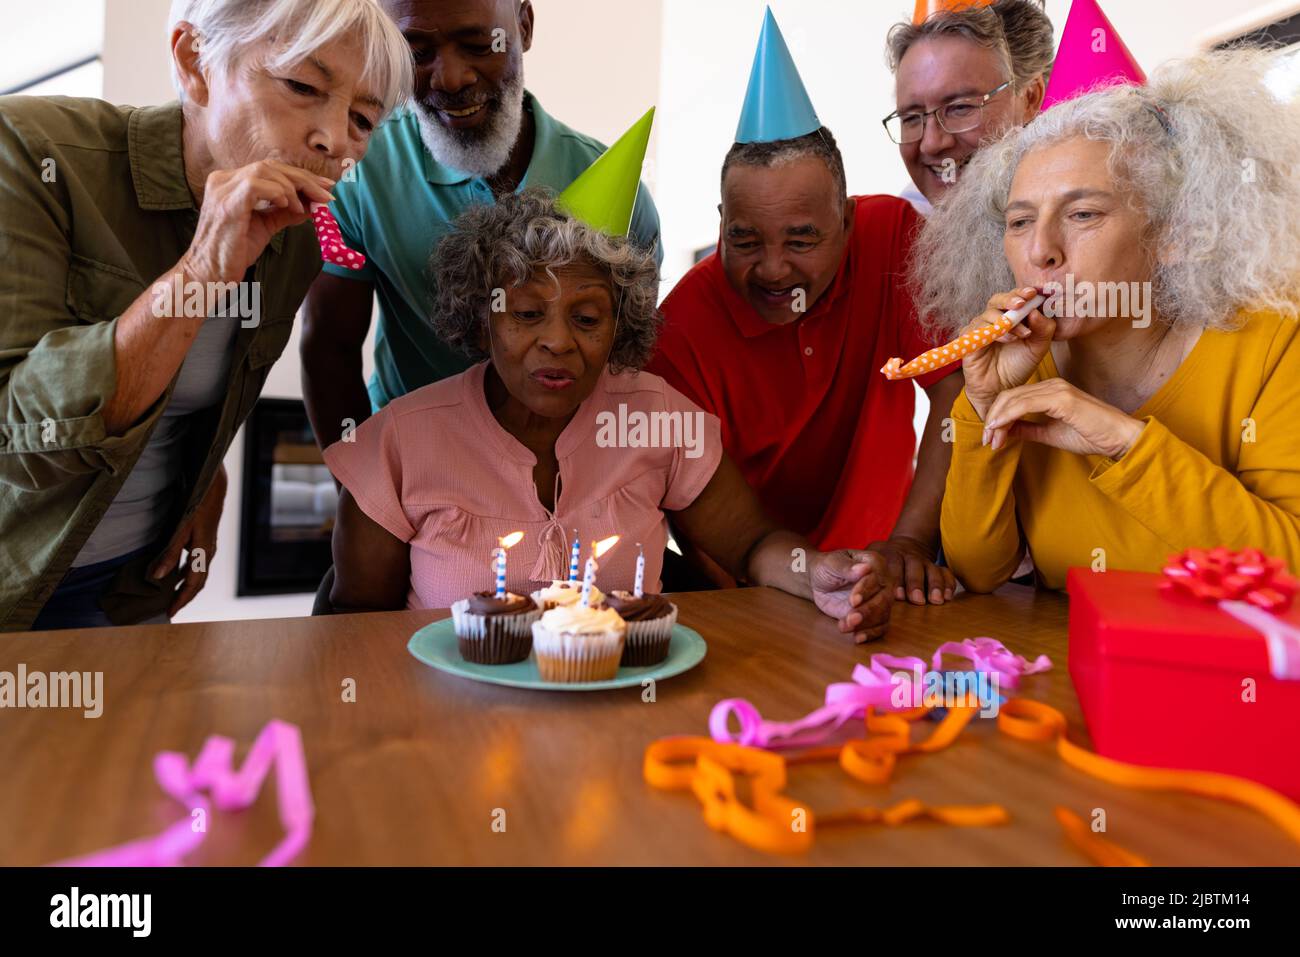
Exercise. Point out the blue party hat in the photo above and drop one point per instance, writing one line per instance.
(776, 105)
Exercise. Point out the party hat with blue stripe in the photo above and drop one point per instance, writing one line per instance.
(776, 105)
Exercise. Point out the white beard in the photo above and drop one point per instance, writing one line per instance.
(488, 151)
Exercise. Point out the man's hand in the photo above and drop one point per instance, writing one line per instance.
(200, 532)
(853, 587)
(911, 568)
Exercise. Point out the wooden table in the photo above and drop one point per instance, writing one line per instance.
(414, 770)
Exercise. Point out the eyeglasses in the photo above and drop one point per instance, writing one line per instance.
(959, 116)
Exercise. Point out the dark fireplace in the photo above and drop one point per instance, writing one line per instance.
(289, 500)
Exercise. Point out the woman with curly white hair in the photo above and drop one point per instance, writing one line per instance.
(1151, 405)
(554, 433)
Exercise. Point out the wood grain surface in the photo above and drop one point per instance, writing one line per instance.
(417, 768)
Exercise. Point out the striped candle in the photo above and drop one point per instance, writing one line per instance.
(501, 574)
(509, 541)
(573, 557)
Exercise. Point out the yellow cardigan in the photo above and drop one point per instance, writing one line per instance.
(1217, 464)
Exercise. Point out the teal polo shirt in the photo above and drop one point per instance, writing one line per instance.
(402, 201)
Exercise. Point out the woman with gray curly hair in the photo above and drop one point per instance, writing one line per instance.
(555, 433)
(1150, 406)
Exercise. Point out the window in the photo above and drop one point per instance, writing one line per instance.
(53, 48)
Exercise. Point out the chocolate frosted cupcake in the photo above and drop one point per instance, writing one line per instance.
(650, 621)
(562, 594)
(494, 631)
(577, 643)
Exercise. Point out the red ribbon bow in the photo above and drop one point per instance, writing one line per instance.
(1221, 574)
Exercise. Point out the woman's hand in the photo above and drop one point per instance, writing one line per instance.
(198, 539)
(1010, 360)
(1076, 421)
(853, 587)
(242, 209)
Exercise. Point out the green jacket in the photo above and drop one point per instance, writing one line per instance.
(94, 208)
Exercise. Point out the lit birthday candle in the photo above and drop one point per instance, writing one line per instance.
(506, 543)
(573, 557)
(638, 588)
(589, 574)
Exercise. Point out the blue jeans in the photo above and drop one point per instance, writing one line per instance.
(75, 603)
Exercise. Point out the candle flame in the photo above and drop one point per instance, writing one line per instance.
(605, 544)
(511, 540)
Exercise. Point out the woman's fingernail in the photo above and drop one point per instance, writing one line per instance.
(1017, 303)
(984, 439)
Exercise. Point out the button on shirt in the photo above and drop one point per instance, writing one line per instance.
(402, 201)
(823, 438)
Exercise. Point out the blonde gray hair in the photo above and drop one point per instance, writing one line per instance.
(494, 245)
(1208, 154)
(226, 28)
(1017, 31)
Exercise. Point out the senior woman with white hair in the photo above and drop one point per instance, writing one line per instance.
(1110, 437)
(541, 437)
(151, 263)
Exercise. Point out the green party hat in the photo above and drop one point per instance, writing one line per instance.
(604, 194)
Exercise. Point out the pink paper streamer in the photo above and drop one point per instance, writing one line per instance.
(872, 687)
(279, 743)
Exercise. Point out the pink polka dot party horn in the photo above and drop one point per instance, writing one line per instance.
(962, 346)
(332, 248)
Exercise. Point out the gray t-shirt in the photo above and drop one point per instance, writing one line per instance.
(142, 507)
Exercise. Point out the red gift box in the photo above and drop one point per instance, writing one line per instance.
(1161, 678)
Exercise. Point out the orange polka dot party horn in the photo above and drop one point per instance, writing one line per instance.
(960, 347)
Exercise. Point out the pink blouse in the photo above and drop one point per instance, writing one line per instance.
(438, 471)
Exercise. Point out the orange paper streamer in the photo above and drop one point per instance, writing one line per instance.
(776, 823)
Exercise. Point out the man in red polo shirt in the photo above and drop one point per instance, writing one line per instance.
(780, 333)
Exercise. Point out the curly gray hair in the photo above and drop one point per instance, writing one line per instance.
(492, 246)
(1209, 155)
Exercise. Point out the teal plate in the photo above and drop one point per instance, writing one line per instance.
(435, 645)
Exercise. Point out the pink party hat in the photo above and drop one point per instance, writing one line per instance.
(1091, 55)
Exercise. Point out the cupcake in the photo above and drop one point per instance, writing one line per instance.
(578, 643)
(492, 630)
(562, 594)
(650, 621)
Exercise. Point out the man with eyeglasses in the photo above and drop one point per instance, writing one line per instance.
(963, 77)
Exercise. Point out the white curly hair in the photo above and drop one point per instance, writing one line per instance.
(1211, 156)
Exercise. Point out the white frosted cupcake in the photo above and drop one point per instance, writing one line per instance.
(562, 594)
(578, 643)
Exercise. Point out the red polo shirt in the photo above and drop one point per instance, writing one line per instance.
(825, 439)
